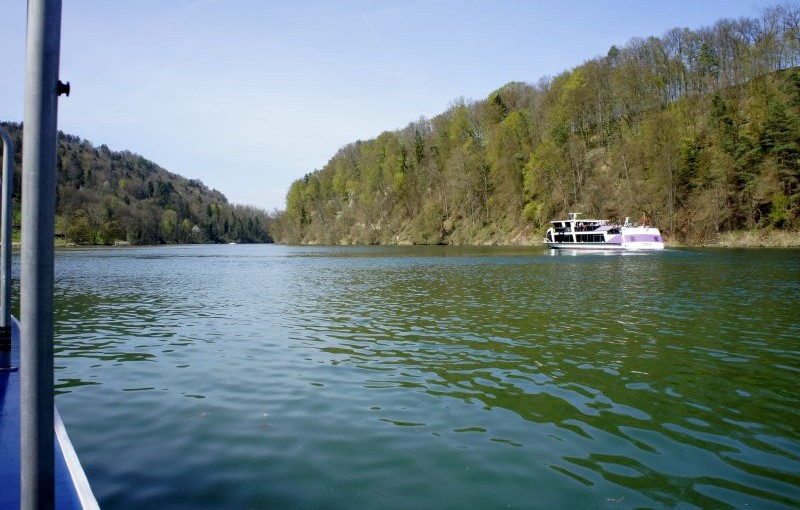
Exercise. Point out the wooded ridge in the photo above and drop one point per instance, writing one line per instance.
(698, 129)
(108, 197)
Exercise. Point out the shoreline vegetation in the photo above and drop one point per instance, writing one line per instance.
(739, 239)
(698, 129)
(106, 197)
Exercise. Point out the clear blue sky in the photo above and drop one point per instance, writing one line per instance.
(249, 95)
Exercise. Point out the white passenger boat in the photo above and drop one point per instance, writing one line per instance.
(587, 234)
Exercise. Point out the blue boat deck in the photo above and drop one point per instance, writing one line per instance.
(72, 490)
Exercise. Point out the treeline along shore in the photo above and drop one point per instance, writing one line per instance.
(697, 129)
(105, 197)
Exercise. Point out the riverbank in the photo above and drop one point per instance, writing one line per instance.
(737, 239)
(526, 237)
(756, 239)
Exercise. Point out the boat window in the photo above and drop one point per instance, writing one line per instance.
(589, 237)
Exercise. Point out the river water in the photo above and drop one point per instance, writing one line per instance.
(200, 377)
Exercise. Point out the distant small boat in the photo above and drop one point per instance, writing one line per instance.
(589, 234)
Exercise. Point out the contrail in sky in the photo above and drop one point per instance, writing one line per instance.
(380, 41)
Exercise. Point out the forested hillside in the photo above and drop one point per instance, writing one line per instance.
(698, 129)
(106, 197)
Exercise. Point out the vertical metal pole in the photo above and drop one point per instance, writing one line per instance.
(5, 251)
(43, 46)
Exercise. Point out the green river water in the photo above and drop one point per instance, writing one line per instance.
(272, 377)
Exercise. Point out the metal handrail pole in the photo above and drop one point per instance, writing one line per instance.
(37, 447)
(5, 250)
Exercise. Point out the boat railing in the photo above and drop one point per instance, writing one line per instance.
(5, 250)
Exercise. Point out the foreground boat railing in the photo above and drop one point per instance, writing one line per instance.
(5, 251)
(76, 474)
(72, 490)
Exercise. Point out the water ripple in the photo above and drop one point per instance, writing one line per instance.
(431, 378)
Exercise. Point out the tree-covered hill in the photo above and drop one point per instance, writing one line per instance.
(698, 129)
(107, 197)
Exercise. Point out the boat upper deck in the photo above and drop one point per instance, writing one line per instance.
(574, 224)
